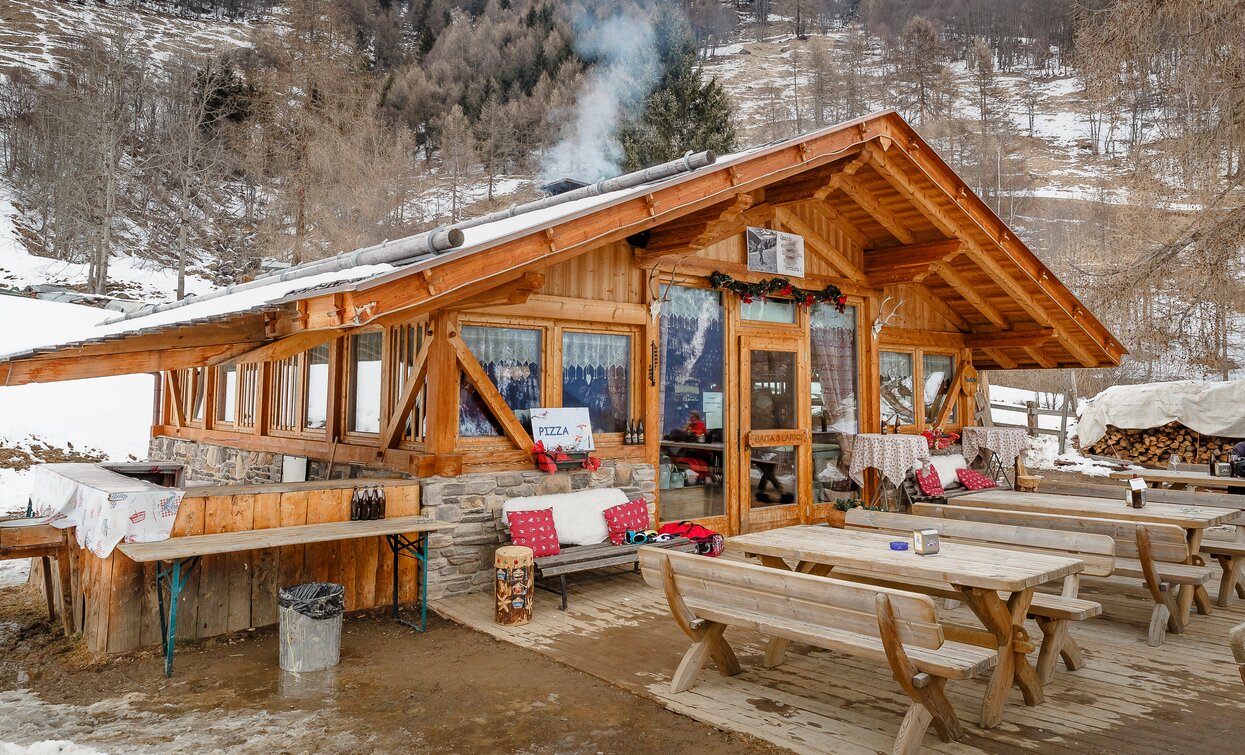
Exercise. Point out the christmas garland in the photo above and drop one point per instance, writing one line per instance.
(747, 292)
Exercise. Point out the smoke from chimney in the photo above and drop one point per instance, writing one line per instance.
(622, 49)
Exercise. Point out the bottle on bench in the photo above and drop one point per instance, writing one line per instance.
(356, 503)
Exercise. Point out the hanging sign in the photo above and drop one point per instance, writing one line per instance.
(567, 428)
(775, 252)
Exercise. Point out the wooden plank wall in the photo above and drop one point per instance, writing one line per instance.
(115, 601)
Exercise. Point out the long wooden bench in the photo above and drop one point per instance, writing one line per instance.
(182, 554)
(706, 596)
(1051, 612)
(1154, 495)
(27, 538)
(1236, 639)
(583, 558)
(1155, 553)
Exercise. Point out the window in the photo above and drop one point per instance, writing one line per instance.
(405, 342)
(198, 377)
(897, 389)
(511, 357)
(835, 404)
(248, 391)
(316, 398)
(768, 310)
(596, 371)
(917, 397)
(939, 369)
(363, 404)
(692, 370)
(226, 393)
(284, 394)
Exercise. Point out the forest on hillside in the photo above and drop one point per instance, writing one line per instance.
(343, 123)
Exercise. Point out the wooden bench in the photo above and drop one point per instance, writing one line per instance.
(1236, 638)
(1051, 612)
(706, 596)
(183, 553)
(1155, 553)
(1154, 495)
(583, 558)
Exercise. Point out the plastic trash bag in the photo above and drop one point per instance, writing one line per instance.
(315, 600)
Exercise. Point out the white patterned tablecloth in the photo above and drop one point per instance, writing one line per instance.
(1007, 442)
(891, 455)
(106, 507)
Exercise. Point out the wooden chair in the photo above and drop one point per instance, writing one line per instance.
(1236, 638)
(1051, 612)
(706, 596)
(1158, 554)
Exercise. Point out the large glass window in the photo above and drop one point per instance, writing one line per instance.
(897, 388)
(772, 390)
(768, 310)
(511, 357)
(596, 371)
(692, 352)
(317, 393)
(365, 366)
(835, 404)
(226, 393)
(939, 369)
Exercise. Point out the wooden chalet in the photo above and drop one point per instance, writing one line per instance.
(430, 368)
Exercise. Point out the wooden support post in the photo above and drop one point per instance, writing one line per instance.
(441, 434)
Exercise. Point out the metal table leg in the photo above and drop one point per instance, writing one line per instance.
(995, 469)
(417, 549)
(172, 578)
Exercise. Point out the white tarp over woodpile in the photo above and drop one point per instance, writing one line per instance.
(1208, 408)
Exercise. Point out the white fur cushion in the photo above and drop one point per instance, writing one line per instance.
(947, 466)
(578, 517)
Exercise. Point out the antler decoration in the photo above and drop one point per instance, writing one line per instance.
(884, 319)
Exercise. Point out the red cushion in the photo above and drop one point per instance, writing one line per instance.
(928, 482)
(632, 515)
(535, 530)
(974, 480)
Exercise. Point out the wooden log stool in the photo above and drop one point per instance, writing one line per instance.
(516, 571)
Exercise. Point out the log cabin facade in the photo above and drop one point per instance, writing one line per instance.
(431, 368)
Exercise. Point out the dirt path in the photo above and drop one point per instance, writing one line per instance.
(450, 691)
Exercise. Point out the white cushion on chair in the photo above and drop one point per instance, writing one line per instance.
(947, 466)
(578, 517)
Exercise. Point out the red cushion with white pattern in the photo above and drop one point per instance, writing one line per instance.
(632, 515)
(535, 530)
(974, 480)
(928, 482)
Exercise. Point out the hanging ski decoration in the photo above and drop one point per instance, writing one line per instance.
(780, 287)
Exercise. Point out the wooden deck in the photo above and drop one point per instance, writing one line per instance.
(1185, 696)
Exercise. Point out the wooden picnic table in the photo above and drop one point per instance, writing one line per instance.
(1179, 479)
(1193, 519)
(975, 575)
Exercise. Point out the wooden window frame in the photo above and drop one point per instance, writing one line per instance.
(920, 421)
(635, 397)
(218, 375)
(304, 395)
(347, 355)
(300, 385)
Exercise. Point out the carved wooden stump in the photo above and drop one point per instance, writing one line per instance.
(515, 568)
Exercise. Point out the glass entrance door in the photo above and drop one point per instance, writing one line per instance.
(774, 419)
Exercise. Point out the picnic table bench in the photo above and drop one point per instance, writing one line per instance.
(1158, 554)
(35, 538)
(1051, 612)
(581, 558)
(1180, 479)
(182, 554)
(977, 575)
(707, 596)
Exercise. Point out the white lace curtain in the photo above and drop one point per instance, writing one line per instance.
(503, 345)
(595, 350)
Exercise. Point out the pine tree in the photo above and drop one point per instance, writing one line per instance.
(684, 112)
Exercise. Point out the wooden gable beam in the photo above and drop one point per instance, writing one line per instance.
(940, 307)
(281, 349)
(491, 397)
(518, 292)
(692, 233)
(829, 253)
(406, 401)
(953, 394)
(174, 382)
(1039, 356)
(1010, 340)
(59, 367)
(970, 294)
(1001, 359)
(903, 264)
(857, 192)
(1077, 351)
(832, 216)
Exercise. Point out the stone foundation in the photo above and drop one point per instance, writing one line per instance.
(461, 560)
(226, 465)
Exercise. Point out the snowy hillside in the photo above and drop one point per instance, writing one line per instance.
(99, 418)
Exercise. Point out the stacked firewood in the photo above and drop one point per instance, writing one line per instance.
(1155, 446)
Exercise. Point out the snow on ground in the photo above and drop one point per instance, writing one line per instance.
(108, 416)
(13, 572)
(136, 720)
(1044, 449)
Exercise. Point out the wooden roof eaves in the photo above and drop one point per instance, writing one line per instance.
(919, 153)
